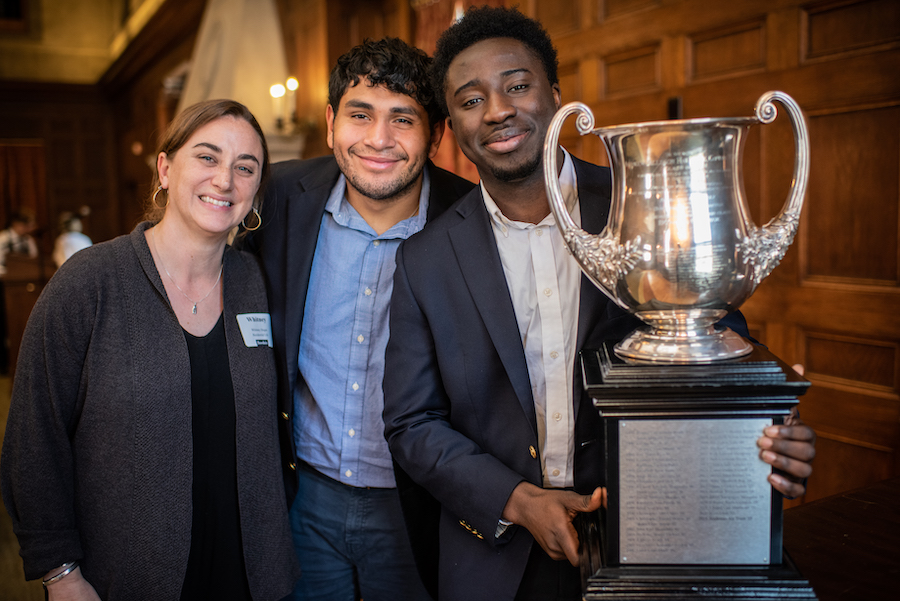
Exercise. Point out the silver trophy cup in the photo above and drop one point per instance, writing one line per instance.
(680, 250)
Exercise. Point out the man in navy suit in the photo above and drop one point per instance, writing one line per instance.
(483, 404)
(330, 229)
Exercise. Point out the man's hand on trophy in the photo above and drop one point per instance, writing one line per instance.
(548, 515)
(790, 449)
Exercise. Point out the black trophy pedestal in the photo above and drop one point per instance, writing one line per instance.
(690, 513)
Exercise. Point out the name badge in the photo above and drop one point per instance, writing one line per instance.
(256, 328)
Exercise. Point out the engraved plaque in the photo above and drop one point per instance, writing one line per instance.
(693, 491)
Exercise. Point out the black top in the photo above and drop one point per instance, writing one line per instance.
(215, 567)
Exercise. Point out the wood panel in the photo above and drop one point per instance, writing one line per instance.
(860, 362)
(615, 8)
(632, 72)
(855, 171)
(857, 466)
(559, 18)
(75, 129)
(729, 51)
(832, 303)
(838, 27)
(23, 282)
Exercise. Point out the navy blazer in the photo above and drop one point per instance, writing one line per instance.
(458, 408)
(292, 211)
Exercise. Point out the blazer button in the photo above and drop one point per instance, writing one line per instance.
(293, 467)
(532, 451)
(285, 416)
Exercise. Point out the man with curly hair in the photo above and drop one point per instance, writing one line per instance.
(330, 228)
(484, 406)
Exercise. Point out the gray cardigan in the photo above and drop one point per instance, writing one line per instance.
(97, 459)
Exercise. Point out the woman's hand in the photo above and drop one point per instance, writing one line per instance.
(72, 587)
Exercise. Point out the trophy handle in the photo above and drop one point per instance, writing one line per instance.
(764, 247)
(600, 256)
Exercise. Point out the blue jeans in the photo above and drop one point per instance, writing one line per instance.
(351, 543)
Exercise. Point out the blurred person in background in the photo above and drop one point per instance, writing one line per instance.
(17, 239)
(71, 238)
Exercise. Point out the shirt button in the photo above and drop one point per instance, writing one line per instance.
(540, 232)
(377, 243)
(355, 386)
(352, 432)
(555, 472)
(548, 292)
(360, 338)
(348, 473)
(554, 354)
(557, 416)
(533, 452)
(368, 292)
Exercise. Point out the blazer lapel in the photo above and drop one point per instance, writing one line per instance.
(306, 206)
(479, 260)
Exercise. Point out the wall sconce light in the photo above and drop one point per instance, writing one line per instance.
(289, 135)
(284, 105)
(277, 92)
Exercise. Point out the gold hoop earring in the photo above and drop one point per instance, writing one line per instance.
(155, 194)
(258, 221)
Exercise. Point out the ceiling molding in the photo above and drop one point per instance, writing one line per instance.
(173, 21)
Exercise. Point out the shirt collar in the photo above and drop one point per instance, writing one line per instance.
(344, 214)
(568, 185)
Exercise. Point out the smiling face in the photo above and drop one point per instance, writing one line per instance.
(381, 141)
(213, 178)
(501, 104)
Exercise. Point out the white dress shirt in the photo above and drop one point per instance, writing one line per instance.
(544, 281)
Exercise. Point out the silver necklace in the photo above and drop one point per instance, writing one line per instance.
(194, 309)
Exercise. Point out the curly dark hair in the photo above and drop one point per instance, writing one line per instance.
(485, 23)
(391, 62)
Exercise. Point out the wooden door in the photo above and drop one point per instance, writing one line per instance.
(22, 188)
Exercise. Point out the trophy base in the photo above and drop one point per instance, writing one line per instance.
(682, 338)
(771, 583)
(689, 512)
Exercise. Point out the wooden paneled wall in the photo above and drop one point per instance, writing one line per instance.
(831, 305)
(58, 156)
(70, 126)
(834, 302)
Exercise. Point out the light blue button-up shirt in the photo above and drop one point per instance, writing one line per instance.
(338, 401)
